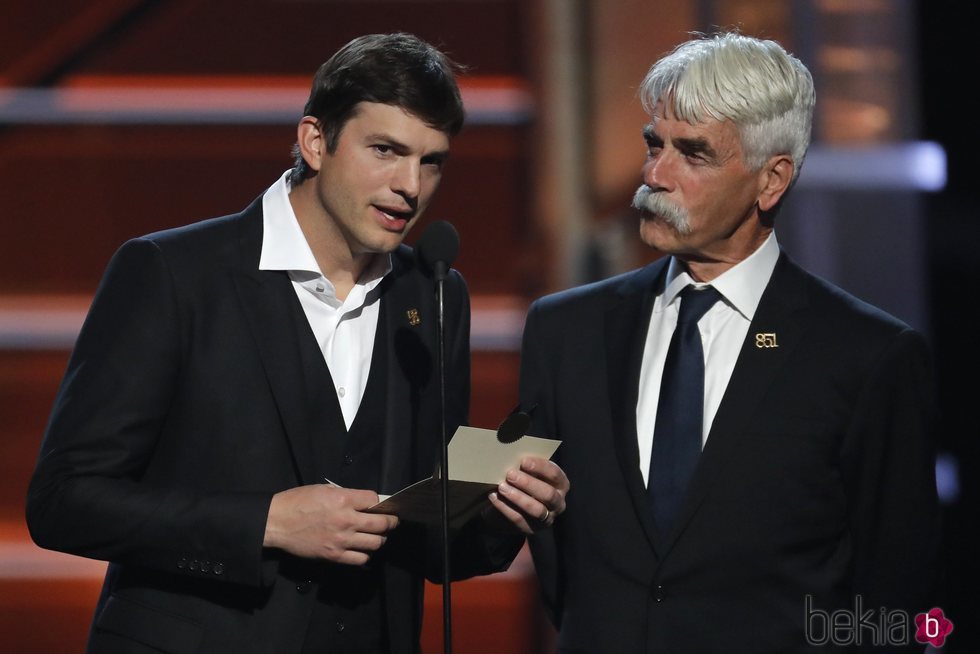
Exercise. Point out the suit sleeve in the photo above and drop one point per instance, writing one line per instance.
(889, 467)
(474, 550)
(537, 398)
(86, 495)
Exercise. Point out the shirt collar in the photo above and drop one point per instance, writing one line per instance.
(741, 285)
(284, 246)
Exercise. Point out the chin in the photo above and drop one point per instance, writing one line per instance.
(653, 232)
(391, 243)
(661, 235)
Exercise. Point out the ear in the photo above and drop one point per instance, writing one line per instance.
(311, 141)
(775, 178)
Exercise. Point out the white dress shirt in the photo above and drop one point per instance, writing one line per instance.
(345, 330)
(723, 329)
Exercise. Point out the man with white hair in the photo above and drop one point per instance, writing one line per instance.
(750, 446)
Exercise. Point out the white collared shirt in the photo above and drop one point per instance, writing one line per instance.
(723, 329)
(345, 330)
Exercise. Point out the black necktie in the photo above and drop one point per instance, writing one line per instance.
(680, 412)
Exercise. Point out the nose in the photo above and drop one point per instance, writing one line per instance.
(657, 171)
(406, 179)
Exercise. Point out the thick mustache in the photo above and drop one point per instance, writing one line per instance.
(645, 199)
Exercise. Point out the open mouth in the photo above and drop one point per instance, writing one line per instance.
(394, 218)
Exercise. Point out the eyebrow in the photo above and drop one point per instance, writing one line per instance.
(650, 136)
(388, 140)
(687, 146)
(697, 145)
(439, 156)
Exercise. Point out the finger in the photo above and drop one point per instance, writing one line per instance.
(547, 470)
(531, 507)
(512, 515)
(542, 492)
(353, 558)
(372, 523)
(366, 543)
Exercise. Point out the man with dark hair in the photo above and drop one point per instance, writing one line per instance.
(240, 382)
(393, 69)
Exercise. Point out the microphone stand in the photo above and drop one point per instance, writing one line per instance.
(447, 632)
(436, 250)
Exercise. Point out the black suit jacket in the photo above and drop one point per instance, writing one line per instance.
(187, 404)
(816, 480)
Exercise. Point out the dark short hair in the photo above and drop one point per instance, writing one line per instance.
(396, 69)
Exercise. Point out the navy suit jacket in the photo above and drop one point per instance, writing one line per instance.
(816, 480)
(187, 404)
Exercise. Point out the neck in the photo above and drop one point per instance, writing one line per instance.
(338, 263)
(706, 264)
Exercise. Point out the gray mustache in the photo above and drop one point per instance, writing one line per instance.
(646, 199)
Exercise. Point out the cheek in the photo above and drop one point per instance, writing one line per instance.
(706, 201)
(429, 186)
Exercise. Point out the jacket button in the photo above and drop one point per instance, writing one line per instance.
(218, 569)
(340, 626)
(206, 566)
(659, 593)
(182, 562)
(195, 565)
(304, 587)
(348, 459)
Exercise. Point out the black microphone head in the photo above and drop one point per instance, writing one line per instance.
(513, 427)
(438, 246)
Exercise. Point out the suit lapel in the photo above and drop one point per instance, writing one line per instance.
(410, 332)
(627, 322)
(267, 299)
(779, 313)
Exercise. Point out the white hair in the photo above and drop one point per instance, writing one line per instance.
(765, 91)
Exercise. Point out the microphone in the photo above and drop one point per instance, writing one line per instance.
(436, 249)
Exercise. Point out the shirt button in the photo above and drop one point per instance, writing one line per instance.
(659, 593)
(304, 588)
(341, 392)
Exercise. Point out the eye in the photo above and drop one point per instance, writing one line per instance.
(696, 157)
(382, 148)
(434, 162)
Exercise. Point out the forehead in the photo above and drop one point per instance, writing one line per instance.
(375, 119)
(667, 126)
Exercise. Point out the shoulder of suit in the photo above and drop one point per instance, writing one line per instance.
(846, 309)
(207, 243)
(634, 283)
(210, 229)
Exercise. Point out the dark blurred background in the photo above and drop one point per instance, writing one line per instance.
(120, 117)
(953, 238)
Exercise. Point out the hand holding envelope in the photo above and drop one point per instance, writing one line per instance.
(478, 464)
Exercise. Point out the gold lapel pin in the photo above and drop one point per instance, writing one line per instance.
(766, 340)
(413, 317)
